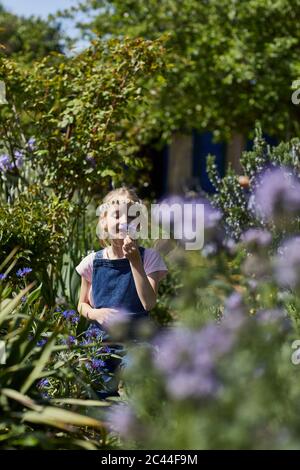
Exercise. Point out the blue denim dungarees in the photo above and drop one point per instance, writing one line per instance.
(113, 286)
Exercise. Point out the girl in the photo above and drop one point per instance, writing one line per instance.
(122, 275)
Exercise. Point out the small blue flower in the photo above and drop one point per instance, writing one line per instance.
(23, 271)
(94, 333)
(43, 383)
(104, 349)
(31, 143)
(71, 340)
(95, 365)
(5, 163)
(18, 158)
(91, 161)
(2, 276)
(41, 342)
(86, 342)
(75, 319)
(71, 315)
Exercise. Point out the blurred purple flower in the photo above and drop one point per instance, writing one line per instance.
(91, 160)
(41, 342)
(277, 194)
(255, 238)
(287, 263)
(234, 302)
(43, 383)
(234, 312)
(194, 385)
(2, 276)
(270, 316)
(18, 158)
(31, 143)
(188, 359)
(5, 163)
(184, 215)
(122, 420)
(230, 245)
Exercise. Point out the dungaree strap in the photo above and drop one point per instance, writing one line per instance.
(99, 254)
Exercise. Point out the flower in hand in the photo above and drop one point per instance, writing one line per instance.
(130, 249)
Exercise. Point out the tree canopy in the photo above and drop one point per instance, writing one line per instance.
(233, 62)
(28, 38)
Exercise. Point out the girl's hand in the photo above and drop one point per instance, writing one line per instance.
(131, 250)
(105, 316)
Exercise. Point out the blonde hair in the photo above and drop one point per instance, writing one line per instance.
(115, 196)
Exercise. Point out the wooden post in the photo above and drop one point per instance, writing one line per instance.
(180, 162)
(234, 151)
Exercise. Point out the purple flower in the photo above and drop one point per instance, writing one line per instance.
(95, 365)
(43, 383)
(2, 276)
(122, 420)
(255, 238)
(31, 143)
(187, 384)
(270, 316)
(104, 349)
(91, 160)
(5, 163)
(229, 245)
(287, 263)
(41, 342)
(18, 158)
(189, 219)
(23, 271)
(86, 342)
(188, 359)
(274, 316)
(216, 339)
(234, 312)
(93, 333)
(277, 194)
(234, 302)
(71, 340)
(71, 315)
(23, 299)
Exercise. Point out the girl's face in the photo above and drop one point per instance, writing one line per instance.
(117, 219)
